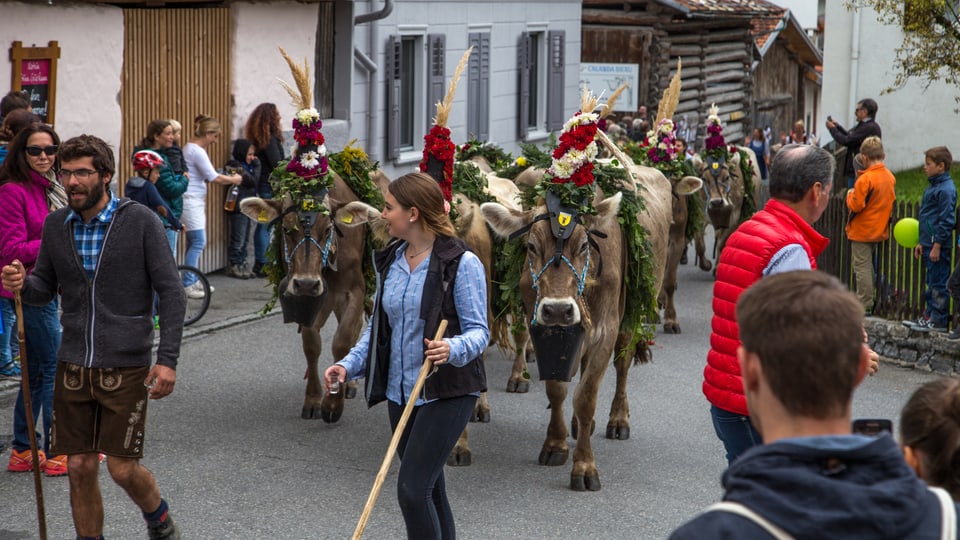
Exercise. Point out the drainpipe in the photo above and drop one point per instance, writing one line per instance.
(854, 61)
(370, 67)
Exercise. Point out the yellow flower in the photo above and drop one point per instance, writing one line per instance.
(522, 161)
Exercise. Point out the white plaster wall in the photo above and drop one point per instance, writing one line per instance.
(258, 29)
(88, 70)
(508, 20)
(913, 118)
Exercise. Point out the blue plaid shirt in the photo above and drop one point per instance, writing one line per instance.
(88, 237)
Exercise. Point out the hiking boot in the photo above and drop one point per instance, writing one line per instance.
(954, 334)
(928, 325)
(56, 466)
(237, 271)
(914, 324)
(10, 371)
(22, 461)
(166, 530)
(258, 270)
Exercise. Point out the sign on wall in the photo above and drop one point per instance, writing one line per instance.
(35, 73)
(605, 78)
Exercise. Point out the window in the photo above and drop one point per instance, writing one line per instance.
(541, 63)
(415, 82)
(478, 87)
(408, 90)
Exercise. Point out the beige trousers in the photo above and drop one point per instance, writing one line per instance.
(862, 260)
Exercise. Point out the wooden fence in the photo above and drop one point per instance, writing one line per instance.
(899, 276)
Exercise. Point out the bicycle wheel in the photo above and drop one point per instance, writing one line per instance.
(197, 290)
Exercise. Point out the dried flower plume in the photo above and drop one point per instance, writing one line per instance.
(302, 95)
(612, 100)
(670, 99)
(443, 108)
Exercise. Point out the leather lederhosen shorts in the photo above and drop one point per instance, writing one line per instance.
(99, 410)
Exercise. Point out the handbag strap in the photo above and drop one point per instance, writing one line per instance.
(743, 511)
(948, 514)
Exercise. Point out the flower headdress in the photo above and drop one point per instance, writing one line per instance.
(438, 148)
(715, 146)
(306, 174)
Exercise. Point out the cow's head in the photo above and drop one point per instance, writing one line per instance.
(562, 255)
(310, 230)
(717, 174)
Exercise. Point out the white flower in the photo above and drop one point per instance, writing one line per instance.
(307, 116)
(666, 126)
(561, 169)
(580, 119)
(322, 150)
(651, 134)
(591, 150)
(310, 160)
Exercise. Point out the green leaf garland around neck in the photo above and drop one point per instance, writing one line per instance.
(303, 191)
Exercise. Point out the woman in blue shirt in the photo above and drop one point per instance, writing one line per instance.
(426, 274)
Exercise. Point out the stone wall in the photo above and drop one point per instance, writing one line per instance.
(897, 344)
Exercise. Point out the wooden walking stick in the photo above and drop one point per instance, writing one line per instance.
(397, 433)
(28, 406)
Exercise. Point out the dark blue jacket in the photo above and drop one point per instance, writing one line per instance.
(859, 488)
(145, 193)
(938, 211)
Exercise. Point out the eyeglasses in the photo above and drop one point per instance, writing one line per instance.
(80, 174)
(37, 150)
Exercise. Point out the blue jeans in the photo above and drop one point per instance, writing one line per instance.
(938, 300)
(261, 239)
(735, 431)
(41, 327)
(9, 343)
(196, 240)
(172, 236)
(239, 236)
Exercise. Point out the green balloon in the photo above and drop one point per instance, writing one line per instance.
(907, 232)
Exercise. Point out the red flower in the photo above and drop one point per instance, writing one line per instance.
(583, 175)
(437, 143)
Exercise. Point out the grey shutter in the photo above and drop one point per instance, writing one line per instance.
(436, 74)
(392, 76)
(556, 42)
(478, 87)
(523, 92)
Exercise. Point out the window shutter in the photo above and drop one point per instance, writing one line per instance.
(478, 87)
(523, 92)
(436, 74)
(555, 72)
(393, 96)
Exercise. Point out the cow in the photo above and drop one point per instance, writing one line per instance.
(725, 190)
(681, 188)
(578, 295)
(321, 255)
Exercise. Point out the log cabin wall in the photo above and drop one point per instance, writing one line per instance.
(778, 91)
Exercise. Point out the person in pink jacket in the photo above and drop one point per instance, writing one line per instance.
(29, 190)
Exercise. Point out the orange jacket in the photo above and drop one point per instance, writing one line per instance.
(871, 200)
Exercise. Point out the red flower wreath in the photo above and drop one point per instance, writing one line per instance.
(437, 144)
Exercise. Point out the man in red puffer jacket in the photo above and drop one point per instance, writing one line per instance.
(777, 239)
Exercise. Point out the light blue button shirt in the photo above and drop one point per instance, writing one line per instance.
(402, 295)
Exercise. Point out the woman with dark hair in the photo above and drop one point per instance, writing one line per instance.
(14, 123)
(171, 185)
(413, 294)
(29, 190)
(930, 434)
(263, 130)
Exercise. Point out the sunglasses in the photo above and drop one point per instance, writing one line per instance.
(37, 150)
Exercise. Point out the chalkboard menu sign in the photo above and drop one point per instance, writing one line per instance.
(35, 73)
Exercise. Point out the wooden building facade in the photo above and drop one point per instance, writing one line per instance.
(713, 38)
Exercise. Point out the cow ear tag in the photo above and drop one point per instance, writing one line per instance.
(562, 218)
(347, 218)
(262, 217)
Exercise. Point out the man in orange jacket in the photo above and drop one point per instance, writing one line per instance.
(870, 202)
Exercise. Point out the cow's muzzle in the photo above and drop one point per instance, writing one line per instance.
(558, 312)
(719, 212)
(300, 308)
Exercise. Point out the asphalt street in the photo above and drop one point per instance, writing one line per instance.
(235, 460)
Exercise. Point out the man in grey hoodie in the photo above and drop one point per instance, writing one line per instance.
(107, 255)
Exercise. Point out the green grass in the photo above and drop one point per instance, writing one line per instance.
(912, 182)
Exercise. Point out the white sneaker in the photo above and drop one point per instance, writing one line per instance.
(195, 291)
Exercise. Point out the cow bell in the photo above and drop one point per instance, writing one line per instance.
(300, 309)
(557, 348)
(720, 215)
(563, 219)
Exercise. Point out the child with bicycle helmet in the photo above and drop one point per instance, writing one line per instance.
(142, 187)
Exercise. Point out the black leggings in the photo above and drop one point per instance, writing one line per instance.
(432, 430)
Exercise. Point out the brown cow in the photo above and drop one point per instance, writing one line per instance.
(556, 302)
(321, 257)
(678, 244)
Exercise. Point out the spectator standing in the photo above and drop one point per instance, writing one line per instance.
(758, 144)
(173, 152)
(246, 164)
(201, 172)
(109, 257)
(29, 191)
(263, 130)
(937, 220)
(930, 434)
(170, 185)
(409, 305)
(866, 113)
(778, 238)
(802, 355)
(799, 135)
(12, 124)
(142, 187)
(870, 203)
(14, 100)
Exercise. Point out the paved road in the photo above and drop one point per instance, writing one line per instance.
(236, 461)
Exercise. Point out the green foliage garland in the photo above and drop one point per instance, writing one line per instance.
(749, 206)
(497, 157)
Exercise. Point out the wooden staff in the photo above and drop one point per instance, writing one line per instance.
(28, 406)
(397, 433)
